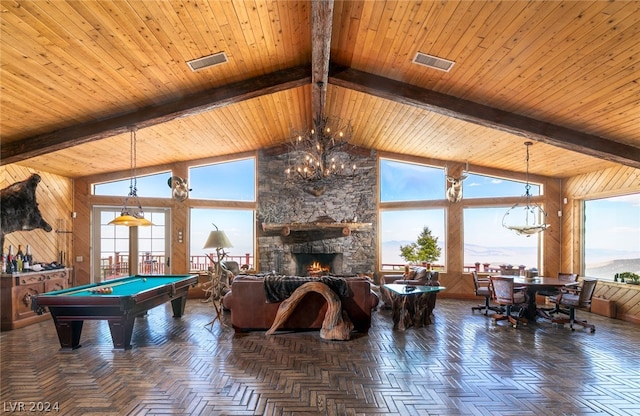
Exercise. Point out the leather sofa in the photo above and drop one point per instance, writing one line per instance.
(250, 310)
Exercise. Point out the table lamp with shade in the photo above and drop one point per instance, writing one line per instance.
(217, 240)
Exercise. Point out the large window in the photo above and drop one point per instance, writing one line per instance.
(612, 236)
(486, 241)
(156, 185)
(403, 227)
(237, 225)
(481, 186)
(227, 181)
(402, 181)
(409, 182)
(230, 184)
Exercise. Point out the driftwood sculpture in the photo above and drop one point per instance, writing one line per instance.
(336, 324)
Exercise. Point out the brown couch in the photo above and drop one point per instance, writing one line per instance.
(251, 311)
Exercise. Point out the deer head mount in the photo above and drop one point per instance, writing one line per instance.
(454, 191)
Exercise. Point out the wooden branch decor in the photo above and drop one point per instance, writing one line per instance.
(345, 228)
(336, 324)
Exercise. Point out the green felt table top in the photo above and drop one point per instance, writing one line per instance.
(125, 286)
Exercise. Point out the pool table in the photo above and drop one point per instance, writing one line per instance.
(126, 298)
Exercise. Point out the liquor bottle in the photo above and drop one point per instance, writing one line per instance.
(27, 260)
(19, 259)
(28, 254)
(11, 261)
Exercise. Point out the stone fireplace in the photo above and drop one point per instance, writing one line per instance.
(336, 229)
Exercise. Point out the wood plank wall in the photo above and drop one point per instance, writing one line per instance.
(54, 195)
(609, 182)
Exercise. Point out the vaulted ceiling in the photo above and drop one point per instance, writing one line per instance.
(76, 76)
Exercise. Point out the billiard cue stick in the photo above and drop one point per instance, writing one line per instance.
(111, 285)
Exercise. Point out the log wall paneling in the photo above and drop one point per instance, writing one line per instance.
(454, 279)
(180, 214)
(551, 238)
(83, 247)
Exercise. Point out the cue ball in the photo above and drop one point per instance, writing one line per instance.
(144, 279)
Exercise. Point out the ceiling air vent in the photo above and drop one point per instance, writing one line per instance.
(433, 62)
(207, 61)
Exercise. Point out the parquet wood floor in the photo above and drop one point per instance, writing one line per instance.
(464, 364)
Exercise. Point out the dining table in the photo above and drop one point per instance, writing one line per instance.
(534, 284)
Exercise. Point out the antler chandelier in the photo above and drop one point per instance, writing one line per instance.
(531, 215)
(321, 153)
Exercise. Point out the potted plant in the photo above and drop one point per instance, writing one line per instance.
(628, 277)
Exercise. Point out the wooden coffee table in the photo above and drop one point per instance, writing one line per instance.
(412, 305)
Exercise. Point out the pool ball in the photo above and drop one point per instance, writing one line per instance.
(144, 279)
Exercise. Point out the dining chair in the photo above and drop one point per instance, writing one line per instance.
(512, 298)
(576, 299)
(553, 292)
(482, 287)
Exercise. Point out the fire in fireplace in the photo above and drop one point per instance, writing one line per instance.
(318, 264)
(318, 269)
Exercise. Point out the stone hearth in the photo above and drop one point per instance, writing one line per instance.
(346, 200)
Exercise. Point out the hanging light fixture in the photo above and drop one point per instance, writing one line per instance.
(320, 154)
(132, 215)
(534, 215)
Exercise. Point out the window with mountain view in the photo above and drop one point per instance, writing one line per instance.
(486, 241)
(612, 236)
(411, 183)
(228, 185)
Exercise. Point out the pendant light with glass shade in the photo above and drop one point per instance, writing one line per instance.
(530, 215)
(132, 215)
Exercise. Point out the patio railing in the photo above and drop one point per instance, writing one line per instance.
(118, 266)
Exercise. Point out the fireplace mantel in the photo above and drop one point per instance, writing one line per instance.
(345, 227)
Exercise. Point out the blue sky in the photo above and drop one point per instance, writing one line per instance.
(613, 223)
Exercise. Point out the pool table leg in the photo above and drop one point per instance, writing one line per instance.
(121, 332)
(178, 305)
(69, 333)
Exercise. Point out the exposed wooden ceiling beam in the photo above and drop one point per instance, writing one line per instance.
(321, 25)
(486, 116)
(149, 116)
(348, 78)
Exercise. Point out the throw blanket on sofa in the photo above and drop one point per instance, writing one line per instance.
(279, 288)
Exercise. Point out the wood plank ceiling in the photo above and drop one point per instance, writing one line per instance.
(76, 75)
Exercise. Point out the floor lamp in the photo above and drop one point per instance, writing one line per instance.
(219, 241)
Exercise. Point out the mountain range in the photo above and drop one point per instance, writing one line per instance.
(599, 264)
